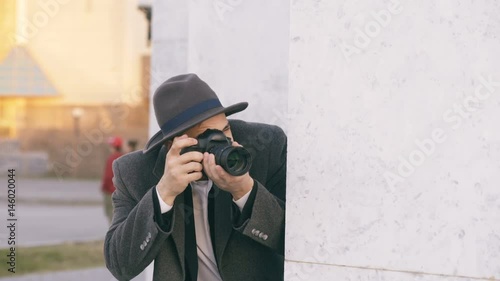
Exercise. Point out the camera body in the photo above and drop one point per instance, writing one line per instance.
(233, 159)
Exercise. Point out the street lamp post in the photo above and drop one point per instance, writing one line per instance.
(77, 114)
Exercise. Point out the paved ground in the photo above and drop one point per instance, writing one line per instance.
(94, 274)
(51, 212)
(67, 190)
(49, 225)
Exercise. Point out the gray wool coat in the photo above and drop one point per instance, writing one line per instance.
(134, 238)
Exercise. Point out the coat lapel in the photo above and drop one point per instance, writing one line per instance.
(223, 224)
(179, 228)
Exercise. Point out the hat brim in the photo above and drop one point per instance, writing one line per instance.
(158, 139)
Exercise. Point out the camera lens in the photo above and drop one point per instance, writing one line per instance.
(235, 160)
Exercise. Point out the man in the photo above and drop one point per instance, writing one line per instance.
(196, 227)
(107, 187)
(131, 145)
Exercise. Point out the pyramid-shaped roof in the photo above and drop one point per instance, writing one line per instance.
(20, 76)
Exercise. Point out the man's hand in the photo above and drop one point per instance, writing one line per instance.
(236, 185)
(180, 170)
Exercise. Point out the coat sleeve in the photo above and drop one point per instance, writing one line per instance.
(134, 237)
(266, 223)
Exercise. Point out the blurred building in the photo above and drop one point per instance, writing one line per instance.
(72, 73)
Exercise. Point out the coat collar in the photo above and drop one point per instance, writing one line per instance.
(159, 167)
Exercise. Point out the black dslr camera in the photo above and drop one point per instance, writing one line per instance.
(235, 160)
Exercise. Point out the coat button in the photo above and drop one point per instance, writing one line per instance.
(264, 237)
(147, 240)
(142, 247)
(261, 235)
(253, 231)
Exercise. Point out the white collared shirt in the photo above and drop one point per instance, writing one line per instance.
(207, 264)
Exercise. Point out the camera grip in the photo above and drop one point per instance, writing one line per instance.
(191, 148)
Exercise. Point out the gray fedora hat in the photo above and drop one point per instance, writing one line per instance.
(180, 103)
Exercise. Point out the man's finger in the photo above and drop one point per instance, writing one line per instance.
(180, 143)
(217, 171)
(205, 163)
(194, 176)
(221, 173)
(192, 167)
(192, 156)
(209, 168)
(205, 159)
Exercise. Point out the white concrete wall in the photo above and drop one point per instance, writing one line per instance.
(240, 47)
(394, 144)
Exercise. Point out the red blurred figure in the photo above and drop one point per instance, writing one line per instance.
(107, 187)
